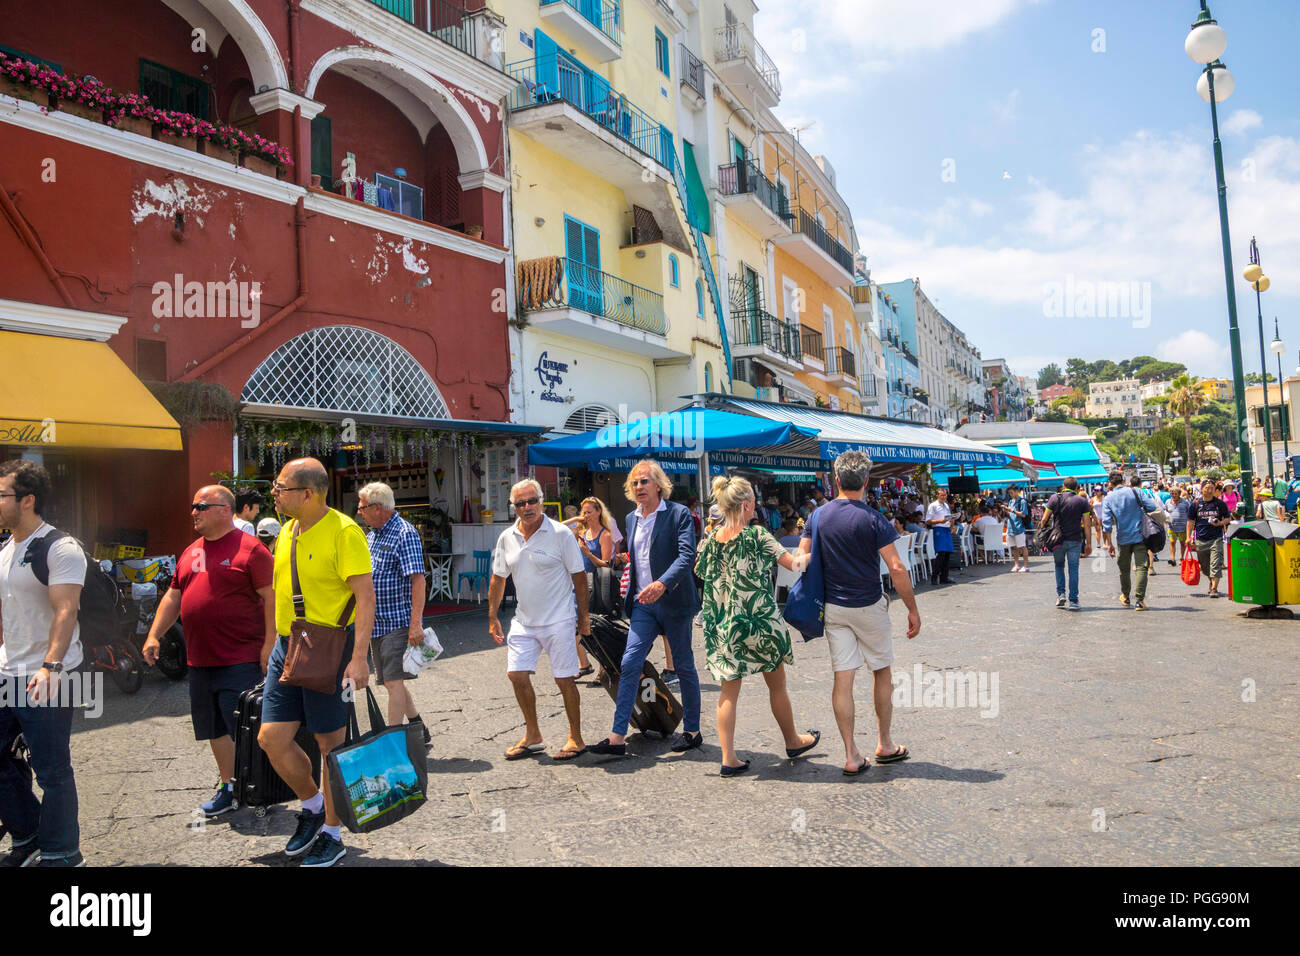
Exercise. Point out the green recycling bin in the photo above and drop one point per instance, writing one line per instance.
(1251, 575)
(1286, 557)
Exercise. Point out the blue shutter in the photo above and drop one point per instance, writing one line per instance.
(673, 270)
(582, 253)
(548, 55)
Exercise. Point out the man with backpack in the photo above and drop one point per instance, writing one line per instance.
(222, 586)
(39, 645)
(1070, 512)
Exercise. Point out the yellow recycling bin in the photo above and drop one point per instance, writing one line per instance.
(1286, 553)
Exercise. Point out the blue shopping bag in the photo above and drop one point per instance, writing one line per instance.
(379, 778)
(805, 608)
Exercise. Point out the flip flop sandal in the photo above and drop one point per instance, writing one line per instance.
(519, 752)
(862, 769)
(900, 754)
(567, 754)
(584, 671)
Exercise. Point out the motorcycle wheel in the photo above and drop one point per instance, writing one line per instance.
(128, 675)
(171, 656)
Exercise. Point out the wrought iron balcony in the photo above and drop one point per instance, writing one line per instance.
(604, 15)
(558, 283)
(735, 43)
(756, 326)
(559, 78)
(448, 22)
(692, 70)
(840, 361)
(811, 340)
(807, 224)
(745, 177)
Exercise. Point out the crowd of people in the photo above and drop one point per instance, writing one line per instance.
(240, 589)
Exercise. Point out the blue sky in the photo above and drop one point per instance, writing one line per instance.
(1065, 164)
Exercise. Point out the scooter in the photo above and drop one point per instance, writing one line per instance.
(143, 581)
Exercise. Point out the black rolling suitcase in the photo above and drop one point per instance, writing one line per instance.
(605, 598)
(657, 710)
(257, 785)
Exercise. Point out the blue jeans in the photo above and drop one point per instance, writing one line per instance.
(1068, 551)
(647, 622)
(52, 820)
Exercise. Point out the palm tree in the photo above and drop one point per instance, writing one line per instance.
(1185, 400)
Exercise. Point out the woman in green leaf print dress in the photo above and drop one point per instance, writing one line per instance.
(743, 630)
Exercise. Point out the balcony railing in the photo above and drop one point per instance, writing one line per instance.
(559, 78)
(759, 327)
(860, 294)
(840, 361)
(811, 340)
(807, 224)
(736, 42)
(745, 177)
(907, 352)
(604, 15)
(867, 387)
(692, 70)
(558, 282)
(439, 18)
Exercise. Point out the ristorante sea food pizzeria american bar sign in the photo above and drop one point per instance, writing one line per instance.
(907, 453)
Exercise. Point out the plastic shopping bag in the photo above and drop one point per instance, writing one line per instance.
(421, 656)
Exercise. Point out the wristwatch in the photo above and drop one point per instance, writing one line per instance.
(53, 667)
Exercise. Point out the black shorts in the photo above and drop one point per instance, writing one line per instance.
(214, 692)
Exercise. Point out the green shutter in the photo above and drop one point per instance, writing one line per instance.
(698, 196)
(322, 150)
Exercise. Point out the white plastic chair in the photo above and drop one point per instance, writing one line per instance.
(991, 545)
(903, 547)
(920, 555)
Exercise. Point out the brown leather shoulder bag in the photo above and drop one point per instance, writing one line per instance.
(315, 650)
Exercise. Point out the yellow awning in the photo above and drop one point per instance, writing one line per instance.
(69, 393)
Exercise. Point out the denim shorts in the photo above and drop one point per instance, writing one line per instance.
(214, 692)
(319, 713)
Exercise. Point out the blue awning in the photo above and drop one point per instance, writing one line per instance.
(680, 435)
(884, 441)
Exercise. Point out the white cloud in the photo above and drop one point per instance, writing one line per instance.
(865, 36)
(1198, 351)
(1146, 212)
(1241, 121)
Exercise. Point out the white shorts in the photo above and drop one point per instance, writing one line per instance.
(860, 635)
(524, 645)
(1015, 540)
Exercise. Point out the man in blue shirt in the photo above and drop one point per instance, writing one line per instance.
(1121, 513)
(397, 561)
(853, 540)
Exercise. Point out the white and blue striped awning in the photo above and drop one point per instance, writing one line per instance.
(881, 440)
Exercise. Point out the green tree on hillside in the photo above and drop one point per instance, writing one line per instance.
(1050, 375)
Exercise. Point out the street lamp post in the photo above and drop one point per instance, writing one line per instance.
(1278, 348)
(1205, 43)
(1259, 282)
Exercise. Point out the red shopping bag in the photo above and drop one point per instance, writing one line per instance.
(1191, 570)
(625, 580)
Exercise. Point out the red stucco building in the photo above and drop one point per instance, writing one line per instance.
(197, 267)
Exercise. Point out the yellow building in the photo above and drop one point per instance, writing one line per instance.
(614, 299)
(1216, 389)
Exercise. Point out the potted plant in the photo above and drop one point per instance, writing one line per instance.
(86, 97)
(26, 80)
(475, 231)
(133, 113)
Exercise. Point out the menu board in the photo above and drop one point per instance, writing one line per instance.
(498, 475)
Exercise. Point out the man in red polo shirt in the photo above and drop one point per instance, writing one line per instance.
(222, 592)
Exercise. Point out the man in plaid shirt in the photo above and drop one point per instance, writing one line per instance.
(397, 559)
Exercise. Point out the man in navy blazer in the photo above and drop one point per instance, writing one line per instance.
(661, 599)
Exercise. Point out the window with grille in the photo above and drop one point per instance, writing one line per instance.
(170, 89)
(343, 368)
(589, 418)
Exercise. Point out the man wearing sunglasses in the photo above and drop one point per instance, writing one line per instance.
(661, 599)
(39, 643)
(333, 566)
(222, 589)
(543, 558)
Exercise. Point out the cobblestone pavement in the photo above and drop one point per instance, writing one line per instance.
(1119, 738)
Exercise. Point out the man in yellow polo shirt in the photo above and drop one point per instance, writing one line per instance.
(333, 567)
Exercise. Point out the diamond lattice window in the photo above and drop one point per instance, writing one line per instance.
(342, 368)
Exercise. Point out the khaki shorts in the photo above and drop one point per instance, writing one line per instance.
(1015, 540)
(860, 635)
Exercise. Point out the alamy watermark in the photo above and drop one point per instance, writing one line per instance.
(678, 431)
(82, 689)
(212, 300)
(922, 688)
(1091, 299)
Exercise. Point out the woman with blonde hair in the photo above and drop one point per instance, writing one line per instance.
(743, 630)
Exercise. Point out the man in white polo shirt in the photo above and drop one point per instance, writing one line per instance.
(543, 558)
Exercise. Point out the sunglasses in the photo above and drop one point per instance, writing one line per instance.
(638, 482)
(205, 507)
(526, 502)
